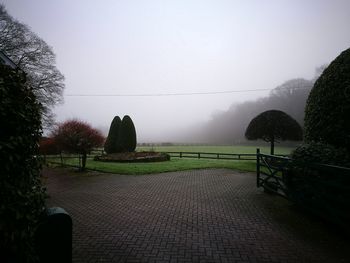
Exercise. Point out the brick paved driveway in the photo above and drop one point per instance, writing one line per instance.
(194, 216)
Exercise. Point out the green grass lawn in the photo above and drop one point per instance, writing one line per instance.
(216, 149)
(175, 164)
(180, 164)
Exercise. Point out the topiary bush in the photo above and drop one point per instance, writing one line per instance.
(127, 136)
(22, 197)
(112, 141)
(320, 153)
(272, 126)
(322, 189)
(328, 106)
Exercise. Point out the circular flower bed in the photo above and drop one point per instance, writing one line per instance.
(134, 157)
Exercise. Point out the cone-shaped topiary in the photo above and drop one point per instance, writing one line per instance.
(328, 106)
(127, 136)
(112, 141)
(274, 125)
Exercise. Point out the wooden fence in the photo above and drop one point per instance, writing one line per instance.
(196, 155)
(216, 156)
(271, 173)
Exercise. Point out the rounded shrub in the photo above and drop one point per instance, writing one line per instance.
(320, 153)
(272, 126)
(22, 197)
(112, 141)
(127, 138)
(328, 106)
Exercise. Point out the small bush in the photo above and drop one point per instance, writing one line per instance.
(74, 136)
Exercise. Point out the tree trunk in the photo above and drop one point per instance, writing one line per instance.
(83, 161)
(272, 146)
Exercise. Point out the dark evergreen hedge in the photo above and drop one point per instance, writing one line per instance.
(22, 198)
(127, 139)
(327, 113)
(320, 153)
(318, 180)
(112, 141)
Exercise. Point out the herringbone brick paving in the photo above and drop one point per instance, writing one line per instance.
(213, 215)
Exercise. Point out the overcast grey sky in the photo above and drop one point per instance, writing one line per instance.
(183, 46)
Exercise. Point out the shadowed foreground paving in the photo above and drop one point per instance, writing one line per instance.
(203, 215)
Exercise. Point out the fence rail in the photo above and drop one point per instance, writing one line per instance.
(195, 155)
(216, 156)
(272, 173)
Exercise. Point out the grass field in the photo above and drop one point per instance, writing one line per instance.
(216, 149)
(175, 164)
(179, 164)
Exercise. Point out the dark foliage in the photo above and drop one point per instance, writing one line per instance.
(112, 141)
(74, 136)
(127, 139)
(273, 126)
(134, 157)
(328, 106)
(320, 153)
(318, 180)
(322, 190)
(22, 198)
(48, 146)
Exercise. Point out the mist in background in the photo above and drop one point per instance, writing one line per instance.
(149, 50)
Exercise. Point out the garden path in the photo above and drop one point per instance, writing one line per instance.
(213, 215)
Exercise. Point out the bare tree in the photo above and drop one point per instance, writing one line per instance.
(36, 58)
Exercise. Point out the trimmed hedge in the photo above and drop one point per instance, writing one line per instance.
(112, 142)
(328, 106)
(127, 136)
(320, 153)
(274, 125)
(318, 180)
(22, 198)
(121, 136)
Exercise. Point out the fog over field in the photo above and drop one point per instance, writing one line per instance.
(191, 71)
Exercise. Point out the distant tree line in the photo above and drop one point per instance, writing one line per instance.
(229, 127)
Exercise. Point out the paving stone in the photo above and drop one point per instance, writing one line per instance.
(213, 215)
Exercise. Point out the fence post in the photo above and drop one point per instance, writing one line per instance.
(257, 167)
(61, 157)
(180, 154)
(199, 155)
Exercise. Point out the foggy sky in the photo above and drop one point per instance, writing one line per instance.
(157, 47)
